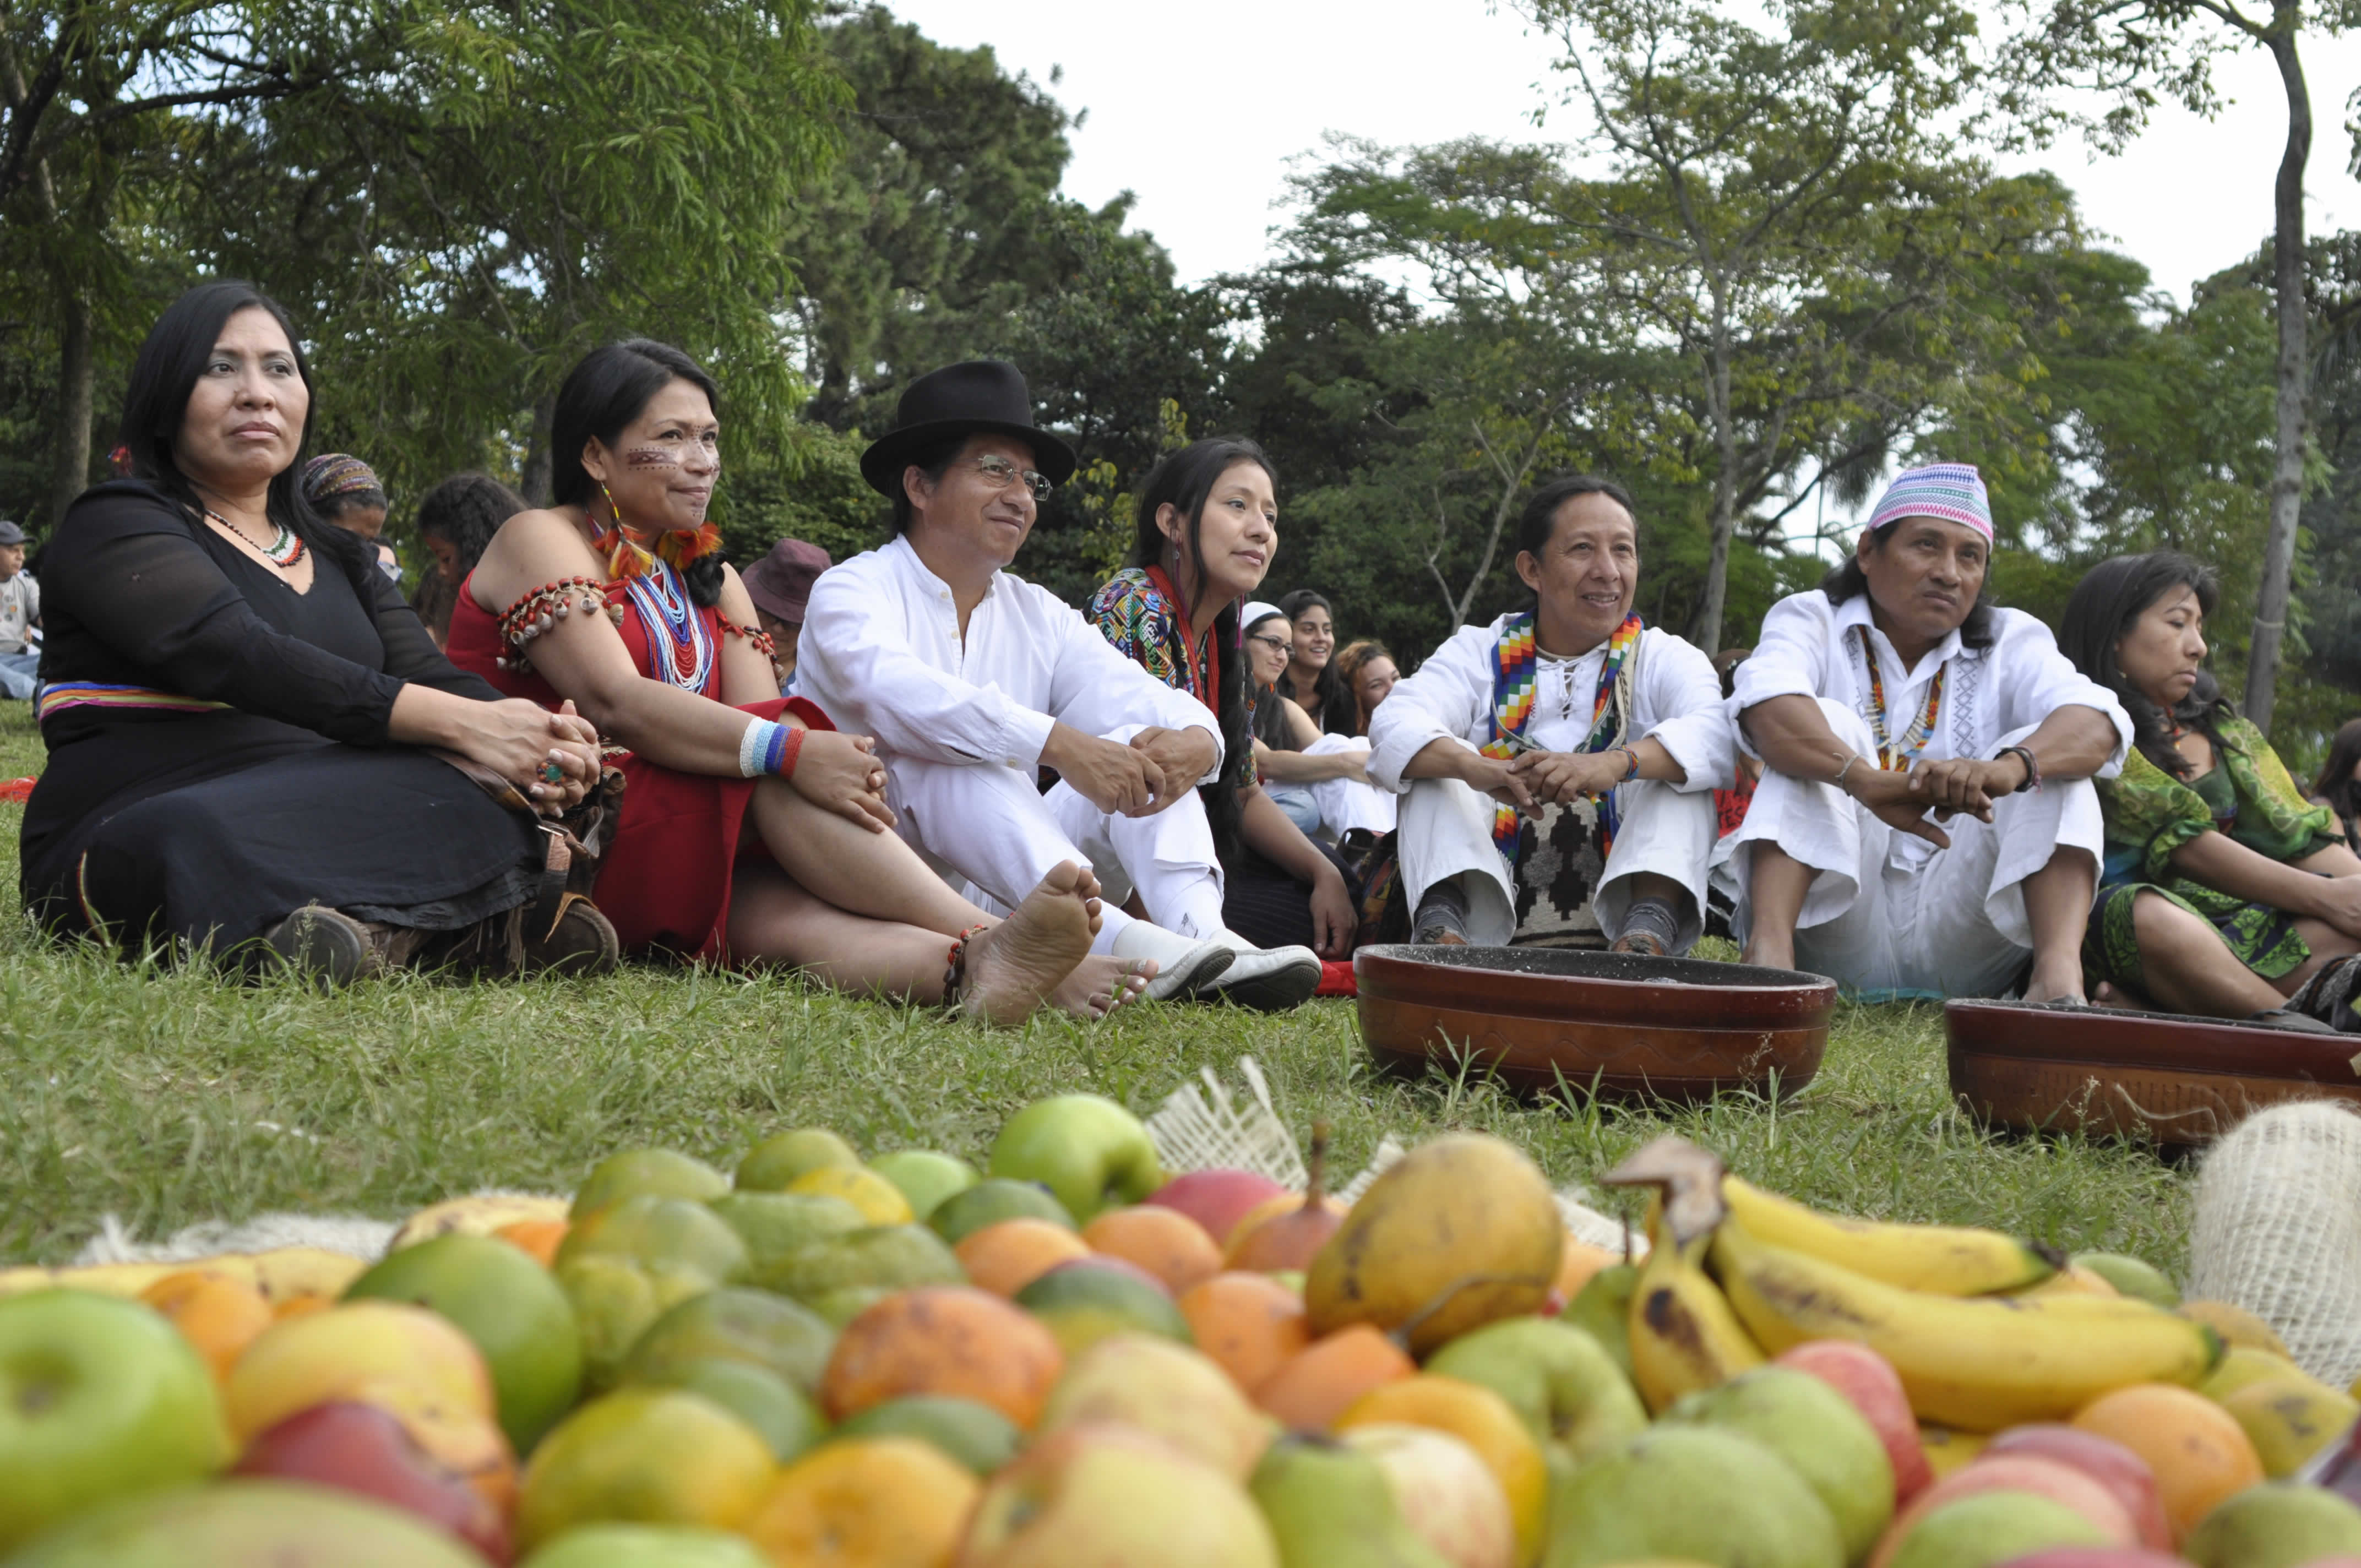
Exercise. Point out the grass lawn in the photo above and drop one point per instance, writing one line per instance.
(167, 1098)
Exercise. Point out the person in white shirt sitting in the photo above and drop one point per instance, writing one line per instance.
(20, 617)
(1926, 825)
(973, 681)
(1559, 763)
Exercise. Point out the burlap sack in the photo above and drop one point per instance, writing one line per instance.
(2278, 1231)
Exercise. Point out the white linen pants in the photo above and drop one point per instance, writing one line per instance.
(1890, 915)
(1347, 804)
(987, 827)
(1446, 830)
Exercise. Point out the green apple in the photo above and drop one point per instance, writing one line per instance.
(1086, 1149)
(773, 1224)
(99, 1398)
(661, 1173)
(1817, 1432)
(511, 1307)
(925, 1176)
(1087, 1299)
(1329, 1503)
(989, 1202)
(774, 1162)
(253, 1523)
(647, 1546)
(972, 1432)
(1568, 1390)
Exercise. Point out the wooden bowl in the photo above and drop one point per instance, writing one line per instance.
(2104, 1071)
(1637, 1028)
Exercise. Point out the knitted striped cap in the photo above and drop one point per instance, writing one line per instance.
(337, 474)
(1951, 491)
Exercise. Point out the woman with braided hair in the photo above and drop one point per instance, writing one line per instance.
(752, 830)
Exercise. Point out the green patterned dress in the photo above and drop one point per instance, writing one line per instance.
(2149, 814)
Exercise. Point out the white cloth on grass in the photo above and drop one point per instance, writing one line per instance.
(960, 724)
(1446, 828)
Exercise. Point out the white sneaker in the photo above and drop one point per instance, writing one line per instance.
(1184, 968)
(1267, 979)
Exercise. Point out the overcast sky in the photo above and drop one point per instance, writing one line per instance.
(1200, 110)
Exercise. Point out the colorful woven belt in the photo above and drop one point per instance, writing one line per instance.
(57, 696)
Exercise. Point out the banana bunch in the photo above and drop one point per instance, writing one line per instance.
(1737, 1272)
(279, 1274)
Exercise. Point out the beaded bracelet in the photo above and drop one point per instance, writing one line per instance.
(769, 749)
(754, 639)
(542, 609)
(955, 967)
(1632, 761)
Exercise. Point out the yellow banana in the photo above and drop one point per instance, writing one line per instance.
(1944, 1260)
(1979, 1363)
(1684, 1335)
(279, 1274)
(478, 1215)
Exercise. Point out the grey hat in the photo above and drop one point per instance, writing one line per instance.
(10, 534)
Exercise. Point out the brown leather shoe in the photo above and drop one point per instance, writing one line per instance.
(326, 945)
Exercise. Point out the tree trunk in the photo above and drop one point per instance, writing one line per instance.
(77, 373)
(534, 480)
(1705, 631)
(2287, 471)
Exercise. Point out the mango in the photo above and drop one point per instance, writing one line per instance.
(2290, 1418)
(1460, 1232)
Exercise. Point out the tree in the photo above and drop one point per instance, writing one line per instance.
(96, 100)
(2133, 52)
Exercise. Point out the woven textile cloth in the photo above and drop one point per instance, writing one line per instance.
(1952, 491)
(2278, 1231)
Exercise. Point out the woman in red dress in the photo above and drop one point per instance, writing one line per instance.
(752, 831)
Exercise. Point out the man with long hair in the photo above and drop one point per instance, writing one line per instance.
(1926, 824)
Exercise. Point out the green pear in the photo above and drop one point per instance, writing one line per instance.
(2276, 1525)
(1565, 1385)
(2133, 1276)
(774, 1162)
(925, 1176)
(1691, 1493)
(1991, 1528)
(874, 1257)
(773, 1224)
(1817, 1432)
(1329, 1506)
(1602, 1308)
(1090, 1152)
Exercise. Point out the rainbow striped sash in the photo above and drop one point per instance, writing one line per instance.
(60, 696)
(1514, 661)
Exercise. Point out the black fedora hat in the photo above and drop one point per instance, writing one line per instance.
(976, 394)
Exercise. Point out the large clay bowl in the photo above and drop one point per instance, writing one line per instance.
(1638, 1029)
(2177, 1080)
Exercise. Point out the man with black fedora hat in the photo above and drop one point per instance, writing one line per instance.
(972, 680)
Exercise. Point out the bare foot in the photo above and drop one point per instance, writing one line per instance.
(2065, 985)
(1087, 890)
(1101, 983)
(1018, 965)
(1769, 954)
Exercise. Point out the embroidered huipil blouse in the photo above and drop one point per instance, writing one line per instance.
(1676, 700)
(881, 651)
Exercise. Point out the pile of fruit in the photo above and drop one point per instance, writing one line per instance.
(1074, 1361)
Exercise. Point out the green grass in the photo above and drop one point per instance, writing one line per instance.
(169, 1097)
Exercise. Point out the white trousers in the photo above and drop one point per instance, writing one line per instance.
(1347, 804)
(1446, 831)
(1890, 915)
(987, 827)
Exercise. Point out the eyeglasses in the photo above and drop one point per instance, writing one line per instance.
(1276, 645)
(1000, 473)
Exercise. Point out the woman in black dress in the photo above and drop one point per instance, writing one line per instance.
(238, 704)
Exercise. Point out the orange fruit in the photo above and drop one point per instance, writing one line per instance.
(299, 1306)
(220, 1317)
(1577, 1264)
(943, 1339)
(875, 1502)
(1249, 1324)
(1320, 1382)
(539, 1238)
(2199, 1452)
(1003, 1258)
(1165, 1242)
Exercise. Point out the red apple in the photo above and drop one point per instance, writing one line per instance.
(360, 1448)
(2122, 1557)
(2106, 1461)
(1875, 1388)
(1216, 1200)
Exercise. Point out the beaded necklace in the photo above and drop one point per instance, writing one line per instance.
(1895, 756)
(283, 551)
(680, 643)
(1514, 661)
